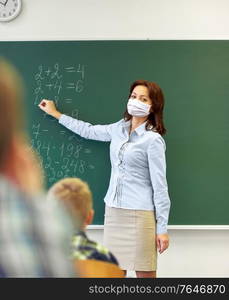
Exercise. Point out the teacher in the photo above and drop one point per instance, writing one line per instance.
(137, 200)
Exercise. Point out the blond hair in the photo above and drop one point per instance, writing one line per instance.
(75, 193)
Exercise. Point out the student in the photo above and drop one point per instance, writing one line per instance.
(77, 197)
(34, 235)
(137, 200)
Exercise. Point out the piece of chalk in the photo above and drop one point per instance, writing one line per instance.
(43, 103)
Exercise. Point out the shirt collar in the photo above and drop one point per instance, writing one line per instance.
(139, 130)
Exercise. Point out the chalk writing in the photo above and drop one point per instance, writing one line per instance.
(63, 154)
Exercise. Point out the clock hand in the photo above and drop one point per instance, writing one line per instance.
(4, 3)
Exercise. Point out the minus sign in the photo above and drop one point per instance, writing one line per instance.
(56, 162)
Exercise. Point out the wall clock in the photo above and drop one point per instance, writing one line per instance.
(9, 9)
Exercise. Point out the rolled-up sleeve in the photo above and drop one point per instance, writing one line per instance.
(157, 169)
(87, 130)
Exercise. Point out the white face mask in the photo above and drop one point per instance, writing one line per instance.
(137, 108)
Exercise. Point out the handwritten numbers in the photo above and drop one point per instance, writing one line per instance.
(77, 152)
(82, 166)
(70, 149)
(38, 75)
(65, 163)
(49, 162)
(81, 70)
(62, 149)
(56, 73)
(36, 130)
(63, 84)
(46, 149)
(38, 147)
(75, 114)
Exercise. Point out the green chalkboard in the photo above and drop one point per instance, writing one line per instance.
(90, 80)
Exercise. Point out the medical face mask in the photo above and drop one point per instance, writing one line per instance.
(137, 108)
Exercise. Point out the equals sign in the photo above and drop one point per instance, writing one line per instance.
(71, 85)
(68, 100)
(91, 167)
(62, 132)
(87, 151)
(70, 69)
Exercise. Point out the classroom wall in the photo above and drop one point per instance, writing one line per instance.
(118, 19)
(193, 253)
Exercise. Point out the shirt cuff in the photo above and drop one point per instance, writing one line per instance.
(162, 229)
(63, 119)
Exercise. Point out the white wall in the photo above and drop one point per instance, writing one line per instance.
(119, 19)
(193, 253)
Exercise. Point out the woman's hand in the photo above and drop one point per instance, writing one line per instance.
(162, 242)
(49, 107)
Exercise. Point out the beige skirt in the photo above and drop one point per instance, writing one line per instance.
(131, 236)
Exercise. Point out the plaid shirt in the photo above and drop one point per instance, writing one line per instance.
(83, 248)
(34, 236)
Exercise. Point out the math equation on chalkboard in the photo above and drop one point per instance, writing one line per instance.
(62, 153)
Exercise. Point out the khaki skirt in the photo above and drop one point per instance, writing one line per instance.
(131, 236)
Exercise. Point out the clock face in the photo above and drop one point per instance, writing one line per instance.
(9, 9)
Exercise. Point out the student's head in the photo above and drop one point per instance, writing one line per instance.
(149, 93)
(77, 197)
(18, 162)
(11, 119)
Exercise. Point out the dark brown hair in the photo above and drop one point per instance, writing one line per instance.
(155, 118)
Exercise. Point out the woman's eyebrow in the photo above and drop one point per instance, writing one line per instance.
(133, 93)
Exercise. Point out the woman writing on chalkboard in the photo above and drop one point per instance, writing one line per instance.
(137, 200)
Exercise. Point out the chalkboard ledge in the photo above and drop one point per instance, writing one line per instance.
(178, 227)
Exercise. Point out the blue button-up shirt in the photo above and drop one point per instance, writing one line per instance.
(138, 166)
